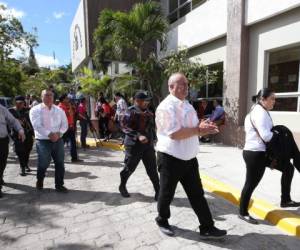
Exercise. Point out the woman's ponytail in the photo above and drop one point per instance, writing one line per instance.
(263, 93)
(254, 98)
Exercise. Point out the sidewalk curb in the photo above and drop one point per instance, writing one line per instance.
(105, 144)
(285, 221)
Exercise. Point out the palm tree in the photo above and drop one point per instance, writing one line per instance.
(137, 31)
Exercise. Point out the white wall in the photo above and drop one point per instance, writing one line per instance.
(205, 23)
(257, 10)
(212, 52)
(78, 33)
(266, 36)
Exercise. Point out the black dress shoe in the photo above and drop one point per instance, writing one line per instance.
(76, 160)
(39, 184)
(290, 204)
(212, 233)
(248, 219)
(22, 172)
(123, 191)
(61, 189)
(164, 227)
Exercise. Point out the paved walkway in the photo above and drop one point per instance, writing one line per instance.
(226, 164)
(94, 216)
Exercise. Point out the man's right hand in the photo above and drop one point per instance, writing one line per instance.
(206, 128)
(54, 137)
(143, 139)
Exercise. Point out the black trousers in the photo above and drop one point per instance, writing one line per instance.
(71, 137)
(3, 157)
(172, 171)
(255, 169)
(133, 155)
(101, 127)
(255, 166)
(23, 150)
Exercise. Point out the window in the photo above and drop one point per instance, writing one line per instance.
(179, 8)
(213, 89)
(283, 78)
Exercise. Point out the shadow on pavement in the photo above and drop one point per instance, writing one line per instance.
(237, 242)
(72, 175)
(77, 247)
(100, 163)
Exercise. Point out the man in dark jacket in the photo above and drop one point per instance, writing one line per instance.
(139, 128)
(22, 148)
(282, 148)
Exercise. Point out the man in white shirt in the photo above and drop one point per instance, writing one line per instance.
(121, 106)
(178, 129)
(49, 123)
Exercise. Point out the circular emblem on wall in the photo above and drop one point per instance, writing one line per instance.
(77, 39)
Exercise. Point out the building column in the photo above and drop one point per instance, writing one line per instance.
(236, 72)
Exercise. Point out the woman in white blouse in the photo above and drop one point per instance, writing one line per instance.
(258, 125)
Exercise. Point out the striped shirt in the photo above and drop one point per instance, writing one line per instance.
(7, 119)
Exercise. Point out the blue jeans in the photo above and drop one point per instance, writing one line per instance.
(47, 150)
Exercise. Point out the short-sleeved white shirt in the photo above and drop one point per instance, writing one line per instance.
(263, 123)
(173, 114)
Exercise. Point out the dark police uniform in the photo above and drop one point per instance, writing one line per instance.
(134, 123)
(23, 149)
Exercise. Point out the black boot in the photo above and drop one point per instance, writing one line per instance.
(122, 187)
(22, 172)
(40, 184)
(123, 191)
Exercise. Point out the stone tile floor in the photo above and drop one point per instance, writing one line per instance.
(93, 215)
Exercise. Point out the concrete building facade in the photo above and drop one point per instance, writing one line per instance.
(84, 23)
(255, 42)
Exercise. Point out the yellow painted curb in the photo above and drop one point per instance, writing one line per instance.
(105, 144)
(285, 221)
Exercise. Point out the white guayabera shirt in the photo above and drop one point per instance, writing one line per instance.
(173, 114)
(45, 121)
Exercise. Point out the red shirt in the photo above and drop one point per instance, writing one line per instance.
(69, 113)
(107, 109)
(81, 110)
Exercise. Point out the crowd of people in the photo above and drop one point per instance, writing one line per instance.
(167, 142)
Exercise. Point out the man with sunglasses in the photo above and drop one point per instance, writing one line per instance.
(139, 128)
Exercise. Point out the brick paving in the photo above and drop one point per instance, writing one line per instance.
(93, 215)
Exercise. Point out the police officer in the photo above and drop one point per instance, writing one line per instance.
(139, 127)
(22, 148)
(7, 120)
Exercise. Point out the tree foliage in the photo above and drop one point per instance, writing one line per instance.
(130, 37)
(61, 78)
(12, 36)
(196, 72)
(91, 84)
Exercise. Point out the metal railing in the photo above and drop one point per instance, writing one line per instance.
(183, 8)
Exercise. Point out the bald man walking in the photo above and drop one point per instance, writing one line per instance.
(178, 129)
